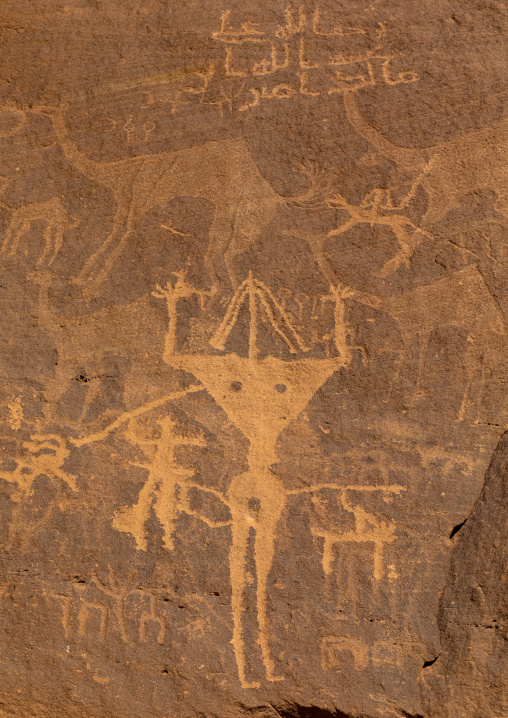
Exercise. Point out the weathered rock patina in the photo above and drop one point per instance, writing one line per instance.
(253, 264)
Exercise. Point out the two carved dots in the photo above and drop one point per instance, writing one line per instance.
(237, 386)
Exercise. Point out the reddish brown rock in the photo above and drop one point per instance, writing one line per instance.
(253, 264)
(470, 676)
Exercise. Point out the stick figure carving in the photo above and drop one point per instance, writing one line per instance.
(261, 396)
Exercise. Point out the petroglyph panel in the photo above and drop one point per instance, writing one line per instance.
(254, 351)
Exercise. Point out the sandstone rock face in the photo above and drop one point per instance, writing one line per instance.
(253, 263)
(470, 677)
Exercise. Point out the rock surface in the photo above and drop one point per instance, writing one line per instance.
(253, 263)
(470, 677)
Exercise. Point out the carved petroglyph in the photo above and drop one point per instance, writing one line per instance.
(15, 409)
(303, 310)
(380, 654)
(450, 459)
(462, 300)
(67, 608)
(168, 485)
(132, 415)
(372, 211)
(12, 120)
(151, 616)
(368, 529)
(80, 342)
(261, 396)
(376, 208)
(333, 647)
(56, 218)
(169, 87)
(222, 172)
(451, 170)
(43, 455)
(134, 131)
(89, 610)
(255, 57)
(166, 489)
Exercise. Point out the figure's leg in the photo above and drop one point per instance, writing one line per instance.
(268, 518)
(402, 256)
(132, 520)
(237, 568)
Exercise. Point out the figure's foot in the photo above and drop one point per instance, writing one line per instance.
(249, 684)
(273, 679)
(270, 671)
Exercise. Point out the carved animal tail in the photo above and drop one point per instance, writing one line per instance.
(320, 187)
(407, 158)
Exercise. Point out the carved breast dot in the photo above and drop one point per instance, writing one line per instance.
(281, 388)
(236, 385)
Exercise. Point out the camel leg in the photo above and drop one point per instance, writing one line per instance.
(14, 234)
(108, 264)
(58, 236)
(91, 268)
(406, 341)
(269, 515)
(49, 239)
(219, 241)
(471, 374)
(229, 257)
(9, 233)
(423, 339)
(440, 202)
(237, 561)
(94, 389)
(395, 376)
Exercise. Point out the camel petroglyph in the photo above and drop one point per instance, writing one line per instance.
(222, 172)
(450, 170)
(57, 219)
